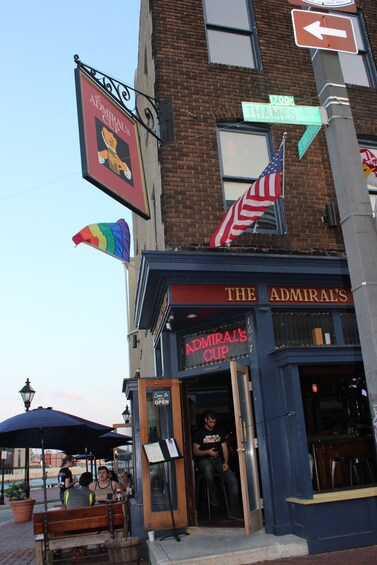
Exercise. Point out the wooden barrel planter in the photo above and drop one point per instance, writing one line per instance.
(125, 550)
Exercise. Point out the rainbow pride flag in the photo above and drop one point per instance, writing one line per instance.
(113, 239)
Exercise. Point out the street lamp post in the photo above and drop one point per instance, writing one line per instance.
(126, 414)
(3, 458)
(27, 394)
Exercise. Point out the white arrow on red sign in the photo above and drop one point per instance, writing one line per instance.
(319, 30)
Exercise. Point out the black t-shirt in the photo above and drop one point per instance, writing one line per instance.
(208, 439)
(64, 474)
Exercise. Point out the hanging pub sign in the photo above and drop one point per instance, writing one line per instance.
(214, 346)
(110, 151)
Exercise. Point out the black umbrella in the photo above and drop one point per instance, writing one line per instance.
(47, 428)
(99, 446)
(102, 442)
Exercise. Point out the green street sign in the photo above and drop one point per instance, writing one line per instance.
(282, 114)
(307, 138)
(281, 99)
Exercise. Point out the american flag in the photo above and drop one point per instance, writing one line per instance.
(253, 204)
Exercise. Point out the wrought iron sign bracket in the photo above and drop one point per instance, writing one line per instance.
(149, 117)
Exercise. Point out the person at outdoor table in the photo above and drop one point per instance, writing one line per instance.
(126, 484)
(80, 496)
(211, 449)
(65, 477)
(104, 488)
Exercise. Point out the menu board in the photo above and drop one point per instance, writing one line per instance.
(161, 451)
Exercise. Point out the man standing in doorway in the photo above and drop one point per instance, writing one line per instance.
(211, 449)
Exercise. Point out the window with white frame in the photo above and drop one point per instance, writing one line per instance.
(231, 36)
(368, 153)
(244, 154)
(359, 69)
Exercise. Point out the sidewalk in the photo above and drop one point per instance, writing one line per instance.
(17, 540)
(17, 546)
(259, 548)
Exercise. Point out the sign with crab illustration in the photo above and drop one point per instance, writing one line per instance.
(110, 151)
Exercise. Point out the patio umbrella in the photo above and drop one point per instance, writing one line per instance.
(102, 442)
(99, 446)
(47, 428)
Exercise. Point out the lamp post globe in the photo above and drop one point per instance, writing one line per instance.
(27, 394)
(126, 415)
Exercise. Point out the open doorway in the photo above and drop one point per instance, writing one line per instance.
(227, 394)
(212, 393)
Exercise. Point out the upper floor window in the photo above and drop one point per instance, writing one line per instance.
(244, 154)
(359, 69)
(368, 152)
(231, 34)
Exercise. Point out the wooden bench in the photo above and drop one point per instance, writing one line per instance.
(62, 529)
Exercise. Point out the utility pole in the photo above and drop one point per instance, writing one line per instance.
(359, 231)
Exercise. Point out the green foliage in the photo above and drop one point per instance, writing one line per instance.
(17, 491)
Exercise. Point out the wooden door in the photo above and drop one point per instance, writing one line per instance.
(246, 447)
(160, 418)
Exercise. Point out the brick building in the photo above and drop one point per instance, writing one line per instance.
(264, 330)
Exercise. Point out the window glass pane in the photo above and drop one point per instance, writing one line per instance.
(233, 191)
(353, 68)
(230, 49)
(349, 328)
(373, 201)
(296, 328)
(358, 35)
(243, 155)
(160, 426)
(227, 13)
(267, 221)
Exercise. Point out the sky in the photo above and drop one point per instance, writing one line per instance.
(63, 309)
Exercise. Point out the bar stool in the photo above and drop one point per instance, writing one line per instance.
(361, 469)
(201, 487)
(338, 463)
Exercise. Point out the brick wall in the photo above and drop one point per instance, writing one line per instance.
(205, 94)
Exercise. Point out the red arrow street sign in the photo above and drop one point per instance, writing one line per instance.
(339, 5)
(319, 30)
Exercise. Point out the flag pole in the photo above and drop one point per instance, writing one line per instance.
(283, 173)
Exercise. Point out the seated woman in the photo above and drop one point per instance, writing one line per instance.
(104, 488)
(127, 484)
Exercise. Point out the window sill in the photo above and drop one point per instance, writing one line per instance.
(337, 496)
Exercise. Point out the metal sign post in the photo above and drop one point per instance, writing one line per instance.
(359, 232)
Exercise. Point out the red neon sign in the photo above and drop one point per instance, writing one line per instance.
(200, 349)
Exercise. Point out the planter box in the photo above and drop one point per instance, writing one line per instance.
(22, 509)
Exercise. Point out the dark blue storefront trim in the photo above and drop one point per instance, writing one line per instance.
(335, 525)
